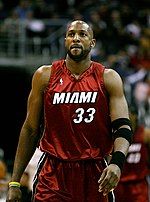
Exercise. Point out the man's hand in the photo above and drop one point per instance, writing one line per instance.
(109, 179)
(14, 194)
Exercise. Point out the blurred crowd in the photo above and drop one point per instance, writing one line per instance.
(118, 25)
(5, 177)
(121, 28)
(122, 31)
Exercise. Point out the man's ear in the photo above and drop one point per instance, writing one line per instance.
(93, 42)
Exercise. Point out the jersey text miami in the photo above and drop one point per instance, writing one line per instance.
(77, 121)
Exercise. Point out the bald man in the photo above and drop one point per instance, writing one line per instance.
(85, 119)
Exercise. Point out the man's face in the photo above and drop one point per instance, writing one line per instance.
(79, 40)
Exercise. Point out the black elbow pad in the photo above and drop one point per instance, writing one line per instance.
(119, 131)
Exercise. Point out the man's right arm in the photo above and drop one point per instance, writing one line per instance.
(29, 135)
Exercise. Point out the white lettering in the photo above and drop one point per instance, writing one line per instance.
(135, 147)
(75, 97)
(94, 97)
(67, 97)
(85, 97)
(59, 98)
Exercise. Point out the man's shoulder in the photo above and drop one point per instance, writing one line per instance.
(43, 68)
(42, 75)
(110, 73)
(112, 80)
(43, 71)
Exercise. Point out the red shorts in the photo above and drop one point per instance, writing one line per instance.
(132, 191)
(63, 181)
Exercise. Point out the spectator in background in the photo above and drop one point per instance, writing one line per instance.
(23, 9)
(142, 96)
(4, 179)
(3, 12)
(99, 28)
(133, 185)
(134, 30)
(10, 29)
(114, 33)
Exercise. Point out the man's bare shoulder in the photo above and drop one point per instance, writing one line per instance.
(44, 69)
(42, 75)
(111, 74)
(112, 80)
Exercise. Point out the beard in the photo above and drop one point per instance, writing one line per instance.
(81, 56)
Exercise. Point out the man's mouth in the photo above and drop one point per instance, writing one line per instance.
(76, 46)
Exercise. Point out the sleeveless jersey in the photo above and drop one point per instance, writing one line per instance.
(77, 118)
(136, 166)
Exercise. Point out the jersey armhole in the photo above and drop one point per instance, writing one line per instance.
(54, 70)
(101, 77)
(51, 76)
(103, 84)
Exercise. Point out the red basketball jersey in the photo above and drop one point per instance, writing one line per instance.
(77, 118)
(136, 166)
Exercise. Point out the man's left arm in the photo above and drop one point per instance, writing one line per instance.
(121, 129)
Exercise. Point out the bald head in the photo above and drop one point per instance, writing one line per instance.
(79, 40)
(82, 25)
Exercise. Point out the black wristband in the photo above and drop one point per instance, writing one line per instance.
(118, 158)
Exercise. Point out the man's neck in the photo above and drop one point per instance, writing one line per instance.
(77, 68)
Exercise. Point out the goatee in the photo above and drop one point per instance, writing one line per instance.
(80, 57)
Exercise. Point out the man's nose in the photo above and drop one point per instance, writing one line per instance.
(76, 38)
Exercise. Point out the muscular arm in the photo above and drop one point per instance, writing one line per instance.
(29, 134)
(118, 109)
(117, 104)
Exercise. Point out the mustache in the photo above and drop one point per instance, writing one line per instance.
(75, 46)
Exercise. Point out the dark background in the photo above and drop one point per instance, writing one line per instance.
(15, 85)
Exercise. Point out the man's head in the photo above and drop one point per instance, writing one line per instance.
(79, 40)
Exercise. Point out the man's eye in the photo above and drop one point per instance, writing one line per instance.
(70, 34)
(83, 34)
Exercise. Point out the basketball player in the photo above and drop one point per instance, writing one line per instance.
(82, 103)
(133, 185)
